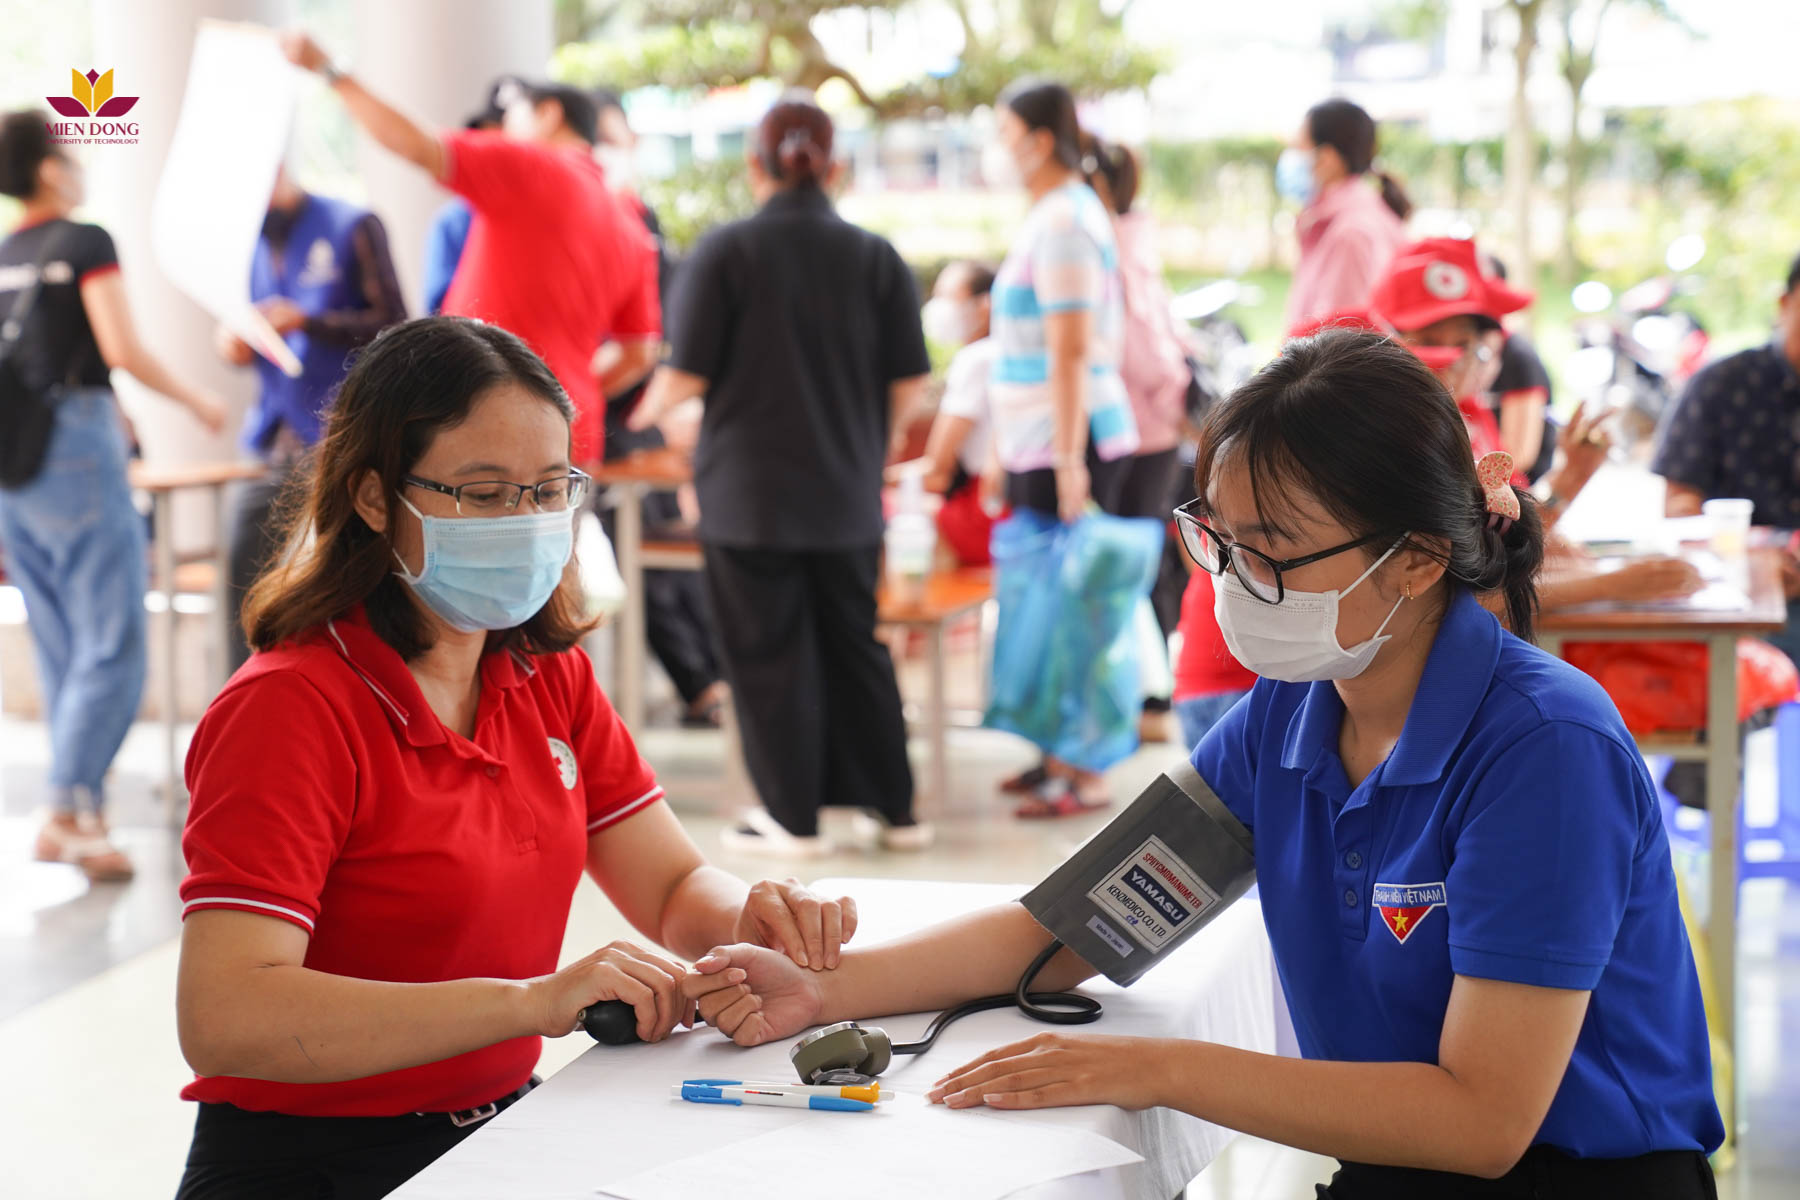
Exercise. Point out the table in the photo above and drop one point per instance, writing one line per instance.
(607, 1115)
(948, 595)
(1765, 612)
(630, 479)
(162, 481)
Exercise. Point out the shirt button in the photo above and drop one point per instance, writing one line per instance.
(1353, 860)
(493, 772)
(1349, 897)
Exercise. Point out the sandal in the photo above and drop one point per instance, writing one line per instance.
(1059, 798)
(1026, 781)
(86, 846)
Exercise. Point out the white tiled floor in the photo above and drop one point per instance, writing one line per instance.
(87, 1038)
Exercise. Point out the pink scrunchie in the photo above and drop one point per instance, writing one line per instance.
(1495, 470)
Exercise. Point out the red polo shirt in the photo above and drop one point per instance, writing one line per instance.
(327, 793)
(554, 256)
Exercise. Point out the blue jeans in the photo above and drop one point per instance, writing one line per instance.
(1198, 714)
(75, 547)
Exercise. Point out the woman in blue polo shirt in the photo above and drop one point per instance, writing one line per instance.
(1461, 861)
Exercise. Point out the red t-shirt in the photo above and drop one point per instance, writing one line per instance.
(327, 793)
(554, 256)
(1205, 667)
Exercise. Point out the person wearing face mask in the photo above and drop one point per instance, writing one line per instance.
(801, 331)
(394, 801)
(1437, 298)
(1064, 429)
(1460, 856)
(1348, 230)
(958, 450)
(74, 545)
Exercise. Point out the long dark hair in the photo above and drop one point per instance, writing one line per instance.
(412, 381)
(1356, 421)
(1348, 128)
(1046, 104)
(1112, 171)
(793, 142)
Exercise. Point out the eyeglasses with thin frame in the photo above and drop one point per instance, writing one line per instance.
(1260, 574)
(499, 497)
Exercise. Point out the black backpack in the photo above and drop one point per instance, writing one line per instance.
(27, 412)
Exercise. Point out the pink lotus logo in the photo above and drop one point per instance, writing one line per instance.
(93, 97)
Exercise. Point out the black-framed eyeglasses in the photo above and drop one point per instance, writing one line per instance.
(1260, 574)
(498, 497)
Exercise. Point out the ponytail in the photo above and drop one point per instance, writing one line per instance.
(799, 160)
(1503, 557)
(1394, 196)
(793, 142)
(1112, 171)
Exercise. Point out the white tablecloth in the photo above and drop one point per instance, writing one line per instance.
(609, 1115)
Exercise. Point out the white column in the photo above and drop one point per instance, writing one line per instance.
(433, 59)
(148, 46)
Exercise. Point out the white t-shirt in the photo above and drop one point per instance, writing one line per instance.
(966, 396)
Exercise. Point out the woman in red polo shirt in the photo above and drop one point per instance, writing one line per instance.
(394, 800)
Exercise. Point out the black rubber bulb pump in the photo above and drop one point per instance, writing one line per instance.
(610, 1022)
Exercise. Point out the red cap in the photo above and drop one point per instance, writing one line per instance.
(1438, 278)
(1438, 358)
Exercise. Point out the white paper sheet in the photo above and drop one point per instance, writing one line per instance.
(214, 192)
(904, 1150)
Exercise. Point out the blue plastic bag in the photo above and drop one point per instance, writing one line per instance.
(1066, 669)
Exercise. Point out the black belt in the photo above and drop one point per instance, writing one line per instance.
(463, 1118)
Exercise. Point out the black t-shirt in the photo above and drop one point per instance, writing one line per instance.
(799, 321)
(57, 345)
(1521, 370)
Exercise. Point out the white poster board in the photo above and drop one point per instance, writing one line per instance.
(214, 192)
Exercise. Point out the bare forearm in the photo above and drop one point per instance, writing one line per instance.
(391, 128)
(1396, 1114)
(149, 370)
(625, 369)
(1068, 398)
(290, 1024)
(981, 954)
(703, 912)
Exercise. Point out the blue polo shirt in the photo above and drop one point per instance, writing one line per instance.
(1512, 834)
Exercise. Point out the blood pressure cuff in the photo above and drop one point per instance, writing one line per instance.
(1150, 880)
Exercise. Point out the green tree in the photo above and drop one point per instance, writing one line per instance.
(722, 43)
(1580, 22)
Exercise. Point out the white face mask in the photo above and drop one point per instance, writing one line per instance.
(999, 169)
(1294, 641)
(949, 322)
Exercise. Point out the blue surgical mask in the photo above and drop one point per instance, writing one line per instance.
(490, 572)
(1294, 175)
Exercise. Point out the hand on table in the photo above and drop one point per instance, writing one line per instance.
(753, 995)
(1655, 579)
(788, 916)
(644, 979)
(1055, 1070)
(935, 480)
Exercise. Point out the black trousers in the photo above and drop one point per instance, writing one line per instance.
(814, 691)
(1544, 1173)
(253, 546)
(1150, 479)
(240, 1155)
(1037, 489)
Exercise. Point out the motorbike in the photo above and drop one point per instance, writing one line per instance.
(1637, 352)
(1219, 354)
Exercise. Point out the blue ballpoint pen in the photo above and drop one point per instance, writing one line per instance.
(699, 1093)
